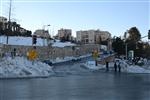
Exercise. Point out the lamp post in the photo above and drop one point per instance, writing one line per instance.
(44, 33)
(9, 22)
(126, 50)
(126, 45)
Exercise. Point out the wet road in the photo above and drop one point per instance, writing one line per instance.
(72, 82)
(86, 86)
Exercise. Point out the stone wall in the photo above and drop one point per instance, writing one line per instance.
(45, 52)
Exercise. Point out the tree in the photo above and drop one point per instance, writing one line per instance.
(1, 28)
(118, 45)
(132, 40)
(134, 34)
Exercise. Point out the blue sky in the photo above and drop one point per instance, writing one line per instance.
(115, 16)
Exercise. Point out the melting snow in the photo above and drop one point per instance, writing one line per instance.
(21, 67)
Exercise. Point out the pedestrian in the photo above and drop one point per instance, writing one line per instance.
(107, 66)
(115, 66)
(119, 67)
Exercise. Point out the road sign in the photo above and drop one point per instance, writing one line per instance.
(32, 55)
(131, 54)
(95, 54)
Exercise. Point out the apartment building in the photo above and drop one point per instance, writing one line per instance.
(85, 37)
(42, 33)
(3, 21)
(93, 37)
(65, 34)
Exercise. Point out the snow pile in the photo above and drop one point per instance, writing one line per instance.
(125, 67)
(91, 65)
(136, 69)
(60, 60)
(62, 44)
(21, 67)
(16, 40)
(133, 68)
(66, 59)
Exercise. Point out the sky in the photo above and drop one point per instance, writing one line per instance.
(115, 16)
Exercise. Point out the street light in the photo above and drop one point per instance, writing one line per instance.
(44, 33)
(126, 44)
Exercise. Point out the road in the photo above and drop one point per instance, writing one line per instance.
(71, 82)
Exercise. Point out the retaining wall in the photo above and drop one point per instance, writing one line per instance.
(48, 52)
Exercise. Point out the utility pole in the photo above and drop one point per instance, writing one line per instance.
(126, 50)
(126, 45)
(44, 33)
(10, 4)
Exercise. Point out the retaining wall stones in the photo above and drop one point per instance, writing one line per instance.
(48, 52)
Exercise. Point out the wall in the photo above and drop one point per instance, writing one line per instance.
(45, 52)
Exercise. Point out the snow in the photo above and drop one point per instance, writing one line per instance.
(21, 67)
(14, 40)
(62, 44)
(27, 41)
(91, 65)
(125, 67)
(136, 69)
(65, 59)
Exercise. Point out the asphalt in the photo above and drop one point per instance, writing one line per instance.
(71, 82)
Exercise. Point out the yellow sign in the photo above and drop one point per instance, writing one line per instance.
(95, 54)
(32, 55)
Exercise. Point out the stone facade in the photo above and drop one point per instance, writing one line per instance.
(92, 36)
(65, 34)
(45, 52)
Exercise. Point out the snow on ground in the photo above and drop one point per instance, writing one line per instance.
(65, 59)
(27, 41)
(62, 44)
(14, 40)
(91, 65)
(21, 67)
(136, 69)
(124, 67)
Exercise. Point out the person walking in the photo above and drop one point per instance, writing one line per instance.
(115, 66)
(119, 67)
(107, 66)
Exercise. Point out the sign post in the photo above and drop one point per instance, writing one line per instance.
(95, 56)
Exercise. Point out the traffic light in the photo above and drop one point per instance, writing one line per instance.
(149, 34)
(34, 39)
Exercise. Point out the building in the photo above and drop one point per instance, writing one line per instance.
(42, 33)
(86, 37)
(94, 37)
(65, 34)
(3, 22)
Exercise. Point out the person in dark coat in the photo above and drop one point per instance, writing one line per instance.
(107, 66)
(119, 67)
(115, 67)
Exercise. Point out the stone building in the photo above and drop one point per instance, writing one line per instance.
(94, 37)
(65, 34)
